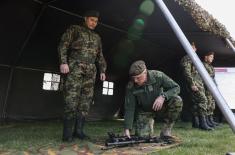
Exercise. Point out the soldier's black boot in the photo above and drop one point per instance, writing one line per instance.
(67, 130)
(195, 122)
(79, 127)
(209, 123)
(211, 119)
(202, 123)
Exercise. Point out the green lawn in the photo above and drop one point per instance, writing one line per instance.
(30, 137)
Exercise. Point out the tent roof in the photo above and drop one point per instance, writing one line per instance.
(31, 30)
(157, 40)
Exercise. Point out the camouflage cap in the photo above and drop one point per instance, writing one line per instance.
(137, 68)
(92, 13)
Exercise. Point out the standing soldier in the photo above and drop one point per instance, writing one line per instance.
(79, 50)
(150, 93)
(208, 59)
(196, 88)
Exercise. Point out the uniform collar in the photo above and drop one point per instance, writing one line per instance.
(150, 78)
(85, 27)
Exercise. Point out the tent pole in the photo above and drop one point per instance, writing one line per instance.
(230, 44)
(198, 64)
(35, 23)
(3, 117)
(31, 69)
(13, 67)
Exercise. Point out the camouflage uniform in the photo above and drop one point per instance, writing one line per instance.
(139, 101)
(80, 48)
(211, 101)
(192, 77)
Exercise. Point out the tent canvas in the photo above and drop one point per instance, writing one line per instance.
(32, 29)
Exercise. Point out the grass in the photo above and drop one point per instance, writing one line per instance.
(35, 135)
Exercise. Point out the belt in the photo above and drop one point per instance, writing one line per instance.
(85, 60)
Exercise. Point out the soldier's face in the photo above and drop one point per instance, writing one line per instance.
(91, 22)
(140, 79)
(209, 58)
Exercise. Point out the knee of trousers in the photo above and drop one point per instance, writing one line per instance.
(70, 109)
(70, 114)
(176, 102)
(85, 104)
(144, 124)
(174, 109)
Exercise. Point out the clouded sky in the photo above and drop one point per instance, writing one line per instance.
(223, 10)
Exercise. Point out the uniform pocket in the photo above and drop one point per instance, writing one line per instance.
(77, 44)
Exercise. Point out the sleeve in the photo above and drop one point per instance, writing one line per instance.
(213, 72)
(130, 102)
(170, 87)
(100, 58)
(187, 71)
(213, 75)
(65, 42)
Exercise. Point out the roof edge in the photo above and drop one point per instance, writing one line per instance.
(204, 20)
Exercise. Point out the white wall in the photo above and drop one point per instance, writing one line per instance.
(225, 79)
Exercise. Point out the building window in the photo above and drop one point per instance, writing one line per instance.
(107, 88)
(51, 81)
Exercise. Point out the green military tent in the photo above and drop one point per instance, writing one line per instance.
(130, 30)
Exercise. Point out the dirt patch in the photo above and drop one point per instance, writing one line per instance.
(89, 148)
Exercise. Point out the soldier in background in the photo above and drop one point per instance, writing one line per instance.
(150, 93)
(196, 89)
(208, 59)
(79, 50)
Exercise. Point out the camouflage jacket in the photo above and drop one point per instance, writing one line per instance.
(141, 98)
(190, 73)
(211, 71)
(80, 44)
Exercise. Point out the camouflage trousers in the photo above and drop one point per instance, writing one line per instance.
(200, 102)
(210, 103)
(79, 90)
(144, 124)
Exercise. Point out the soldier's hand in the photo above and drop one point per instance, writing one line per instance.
(157, 105)
(64, 68)
(194, 88)
(102, 76)
(127, 133)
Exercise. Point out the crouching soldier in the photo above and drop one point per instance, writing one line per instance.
(150, 93)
